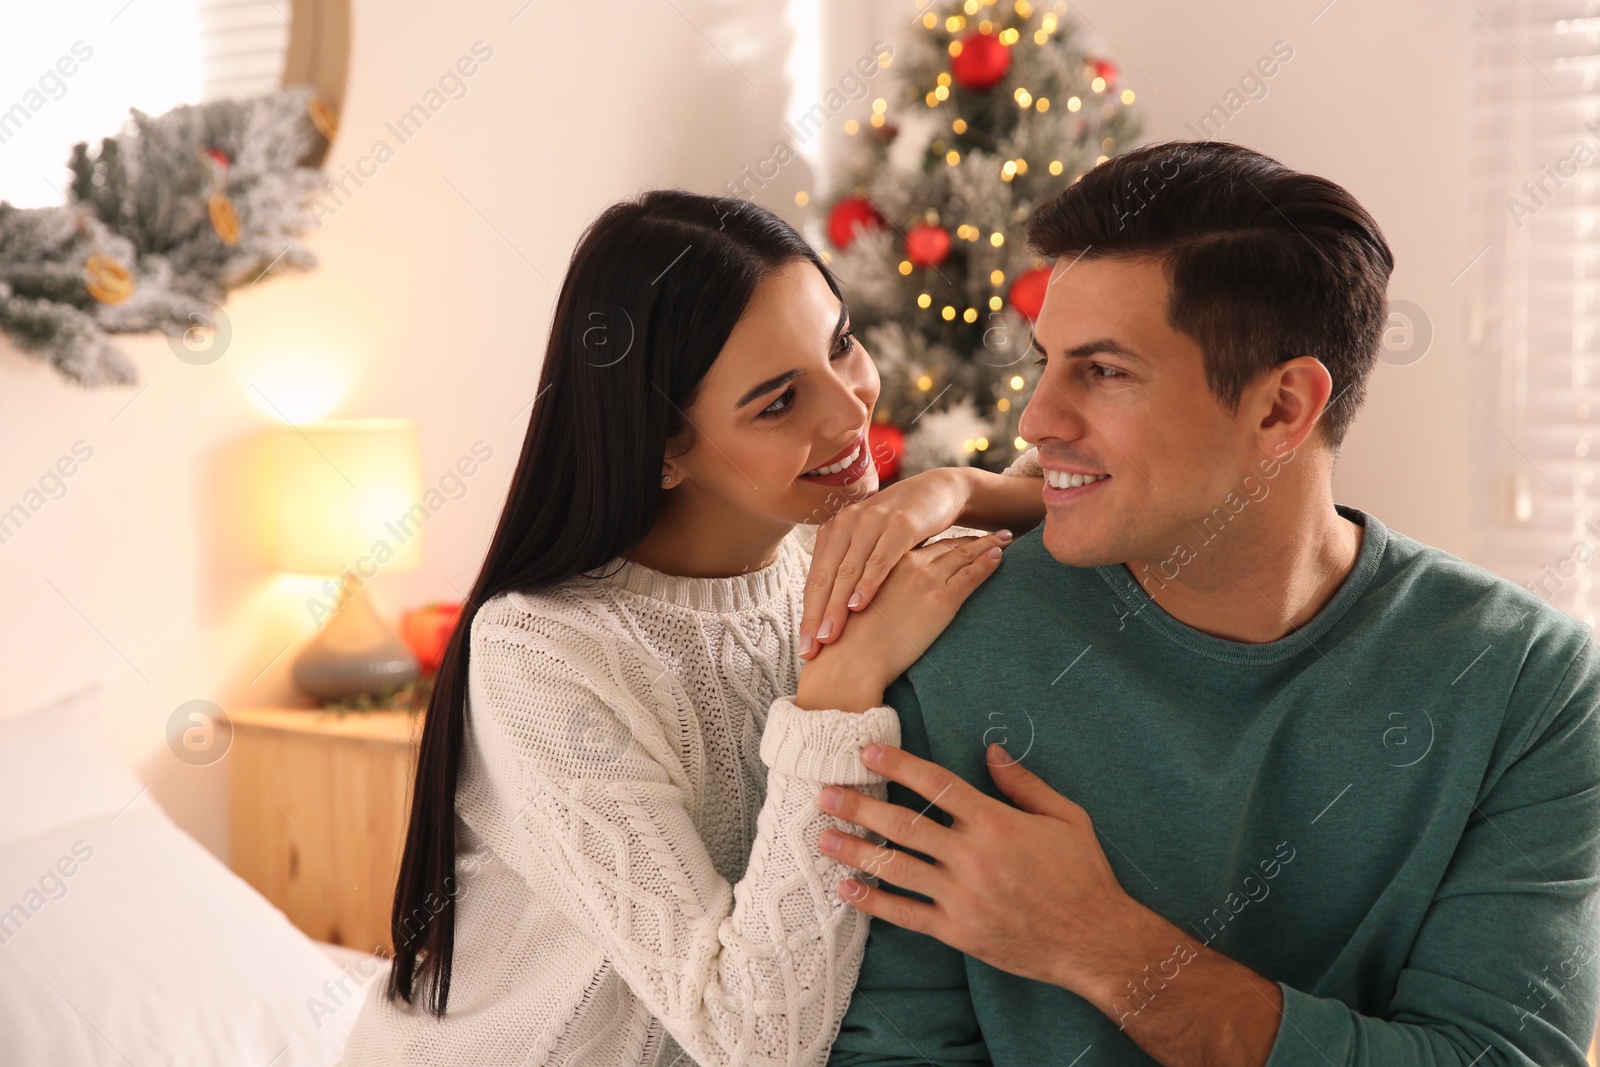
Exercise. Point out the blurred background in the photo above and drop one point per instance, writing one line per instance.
(464, 146)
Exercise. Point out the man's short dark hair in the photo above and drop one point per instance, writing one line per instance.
(1265, 263)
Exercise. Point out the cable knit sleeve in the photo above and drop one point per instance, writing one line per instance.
(580, 743)
(1026, 465)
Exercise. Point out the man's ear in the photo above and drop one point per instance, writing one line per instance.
(1295, 394)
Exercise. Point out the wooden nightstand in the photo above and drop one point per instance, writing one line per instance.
(319, 803)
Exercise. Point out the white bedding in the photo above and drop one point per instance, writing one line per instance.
(123, 941)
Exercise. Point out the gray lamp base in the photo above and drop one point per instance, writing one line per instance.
(354, 654)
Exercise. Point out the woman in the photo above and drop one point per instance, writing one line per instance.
(612, 856)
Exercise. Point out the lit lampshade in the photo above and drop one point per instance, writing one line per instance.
(349, 494)
(349, 504)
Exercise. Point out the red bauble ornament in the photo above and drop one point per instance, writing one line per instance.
(927, 245)
(1027, 291)
(849, 215)
(426, 631)
(1100, 68)
(982, 63)
(887, 444)
(219, 155)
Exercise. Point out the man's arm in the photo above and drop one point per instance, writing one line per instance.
(1504, 963)
(911, 1004)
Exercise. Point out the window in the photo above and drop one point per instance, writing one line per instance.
(1534, 296)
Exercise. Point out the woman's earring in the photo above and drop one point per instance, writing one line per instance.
(666, 479)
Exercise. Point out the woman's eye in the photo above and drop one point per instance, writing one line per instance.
(778, 406)
(847, 344)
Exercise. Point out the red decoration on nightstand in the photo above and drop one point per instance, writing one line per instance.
(849, 215)
(927, 245)
(982, 63)
(426, 631)
(1027, 291)
(887, 443)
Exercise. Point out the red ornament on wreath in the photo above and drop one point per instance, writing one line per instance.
(927, 245)
(849, 215)
(1100, 68)
(1027, 292)
(887, 444)
(981, 63)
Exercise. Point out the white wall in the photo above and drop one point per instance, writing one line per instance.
(439, 272)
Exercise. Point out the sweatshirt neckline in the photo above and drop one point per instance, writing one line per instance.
(739, 592)
(1374, 540)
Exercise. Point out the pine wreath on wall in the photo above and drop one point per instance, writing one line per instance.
(162, 220)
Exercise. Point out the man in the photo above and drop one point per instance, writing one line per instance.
(1344, 787)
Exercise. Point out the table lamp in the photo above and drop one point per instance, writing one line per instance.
(350, 506)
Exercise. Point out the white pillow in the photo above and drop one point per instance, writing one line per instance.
(56, 767)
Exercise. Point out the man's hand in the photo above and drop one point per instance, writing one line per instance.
(1028, 890)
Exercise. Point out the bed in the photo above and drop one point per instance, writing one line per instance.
(124, 941)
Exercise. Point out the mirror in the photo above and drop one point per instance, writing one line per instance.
(72, 71)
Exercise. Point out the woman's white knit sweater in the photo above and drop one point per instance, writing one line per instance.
(638, 876)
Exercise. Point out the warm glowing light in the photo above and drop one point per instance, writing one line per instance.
(970, 315)
(905, 266)
(982, 443)
(955, 24)
(955, 48)
(1008, 169)
(1017, 383)
(944, 79)
(995, 303)
(1073, 104)
(952, 157)
(933, 101)
(1009, 36)
(1003, 404)
(802, 198)
(1022, 166)
(1020, 445)
(878, 121)
(1023, 97)
(924, 383)
(880, 105)
(948, 314)
(924, 300)
(1098, 85)
(967, 444)
(959, 126)
(1055, 166)
(1127, 96)
(997, 277)
(1048, 23)
(1100, 159)
(1040, 37)
(941, 92)
(930, 20)
(971, 7)
(852, 126)
(1023, 9)
(300, 389)
(997, 238)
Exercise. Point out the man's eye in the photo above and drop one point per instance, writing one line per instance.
(1110, 372)
(778, 406)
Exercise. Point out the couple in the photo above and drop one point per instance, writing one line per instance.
(1344, 787)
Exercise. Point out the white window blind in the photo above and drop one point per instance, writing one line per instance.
(243, 44)
(1534, 298)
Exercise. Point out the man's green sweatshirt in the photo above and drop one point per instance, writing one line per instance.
(1392, 812)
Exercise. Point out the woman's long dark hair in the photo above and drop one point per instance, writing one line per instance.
(654, 288)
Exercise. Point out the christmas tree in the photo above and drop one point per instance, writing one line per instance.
(995, 109)
(163, 220)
